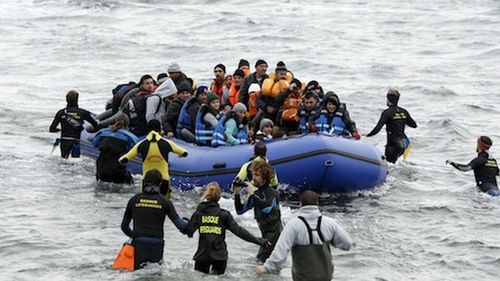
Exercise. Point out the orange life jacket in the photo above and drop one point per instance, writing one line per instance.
(218, 90)
(233, 94)
(270, 88)
(252, 104)
(290, 109)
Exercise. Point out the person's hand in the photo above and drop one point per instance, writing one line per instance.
(237, 189)
(448, 161)
(250, 188)
(260, 269)
(265, 243)
(270, 109)
(356, 135)
(314, 129)
(170, 135)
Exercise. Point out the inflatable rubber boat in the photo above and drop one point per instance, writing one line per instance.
(319, 162)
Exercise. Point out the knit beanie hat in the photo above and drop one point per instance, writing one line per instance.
(239, 72)
(201, 90)
(184, 86)
(211, 97)
(254, 87)
(266, 122)
(174, 67)
(243, 63)
(239, 107)
(259, 62)
(281, 66)
(220, 65)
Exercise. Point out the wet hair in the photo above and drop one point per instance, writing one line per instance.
(212, 192)
(122, 121)
(309, 197)
(265, 170)
(72, 98)
(144, 78)
(152, 181)
(260, 149)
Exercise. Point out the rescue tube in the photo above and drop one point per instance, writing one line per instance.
(319, 162)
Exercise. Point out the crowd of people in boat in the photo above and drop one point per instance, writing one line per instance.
(230, 110)
(227, 113)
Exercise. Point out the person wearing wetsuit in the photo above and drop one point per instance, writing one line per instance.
(265, 202)
(395, 118)
(484, 165)
(212, 222)
(154, 152)
(71, 119)
(113, 142)
(148, 211)
(309, 237)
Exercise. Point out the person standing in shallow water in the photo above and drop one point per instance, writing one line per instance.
(113, 142)
(309, 237)
(71, 119)
(484, 165)
(148, 210)
(395, 119)
(212, 222)
(265, 201)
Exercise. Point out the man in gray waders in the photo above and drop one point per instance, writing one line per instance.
(309, 237)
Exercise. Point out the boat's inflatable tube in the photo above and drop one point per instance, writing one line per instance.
(314, 161)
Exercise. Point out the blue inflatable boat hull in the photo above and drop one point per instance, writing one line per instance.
(319, 162)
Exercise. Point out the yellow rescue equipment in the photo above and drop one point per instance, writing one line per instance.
(125, 258)
(271, 88)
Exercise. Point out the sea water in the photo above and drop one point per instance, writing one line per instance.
(426, 222)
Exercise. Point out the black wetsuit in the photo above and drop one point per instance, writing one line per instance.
(71, 119)
(395, 118)
(267, 213)
(148, 212)
(485, 171)
(212, 222)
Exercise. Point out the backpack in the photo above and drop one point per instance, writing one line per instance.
(136, 111)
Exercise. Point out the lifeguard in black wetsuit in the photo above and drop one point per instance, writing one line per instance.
(484, 165)
(148, 211)
(71, 119)
(395, 118)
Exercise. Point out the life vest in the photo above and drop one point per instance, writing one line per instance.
(219, 138)
(336, 125)
(304, 119)
(290, 109)
(252, 104)
(184, 120)
(204, 130)
(137, 112)
(234, 94)
(270, 88)
(218, 90)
